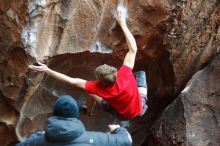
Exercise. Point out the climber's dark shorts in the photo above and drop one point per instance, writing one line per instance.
(107, 107)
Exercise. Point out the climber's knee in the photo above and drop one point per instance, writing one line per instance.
(141, 79)
(141, 82)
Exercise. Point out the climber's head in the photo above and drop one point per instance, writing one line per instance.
(106, 74)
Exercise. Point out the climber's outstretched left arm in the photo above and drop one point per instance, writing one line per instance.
(62, 77)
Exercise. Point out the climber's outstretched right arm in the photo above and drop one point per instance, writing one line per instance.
(62, 77)
(129, 59)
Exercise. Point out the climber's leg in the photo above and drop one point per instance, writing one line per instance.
(107, 107)
(142, 88)
(88, 107)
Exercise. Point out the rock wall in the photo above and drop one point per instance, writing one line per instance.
(175, 40)
(193, 118)
(191, 37)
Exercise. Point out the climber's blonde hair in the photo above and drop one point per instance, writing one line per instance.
(106, 74)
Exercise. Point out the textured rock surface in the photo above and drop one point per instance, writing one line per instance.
(194, 117)
(175, 39)
(8, 136)
(192, 38)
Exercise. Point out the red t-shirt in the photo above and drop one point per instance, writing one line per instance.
(123, 96)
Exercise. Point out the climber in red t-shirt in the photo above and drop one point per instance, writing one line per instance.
(117, 91)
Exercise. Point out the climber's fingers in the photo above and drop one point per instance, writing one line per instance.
(120, 16)
(37, 68)
(41, 63)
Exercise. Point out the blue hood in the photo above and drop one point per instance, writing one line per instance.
(61, 129)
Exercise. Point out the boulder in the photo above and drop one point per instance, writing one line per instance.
(193, 118)
(175, 39)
